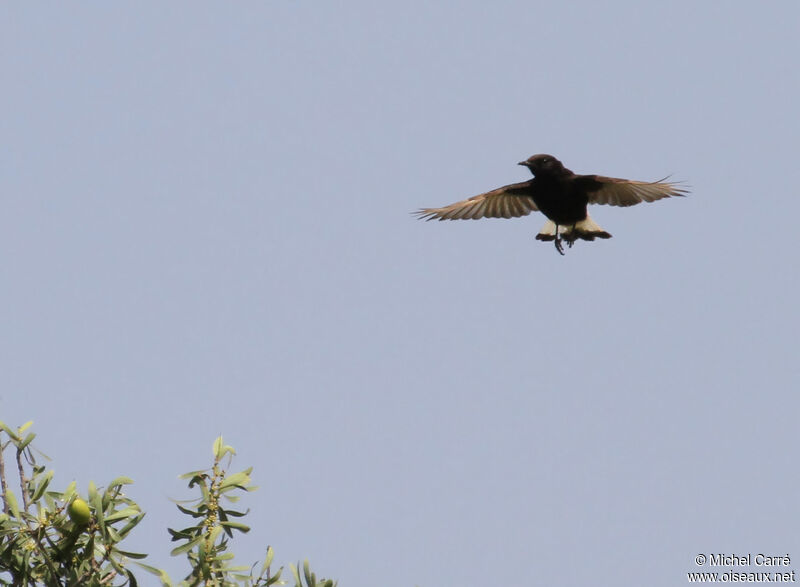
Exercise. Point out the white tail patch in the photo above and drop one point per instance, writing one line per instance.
(587, 229)
(548, 232)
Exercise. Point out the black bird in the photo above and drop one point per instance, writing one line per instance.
(559, 194)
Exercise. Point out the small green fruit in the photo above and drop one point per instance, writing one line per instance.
(79, 512)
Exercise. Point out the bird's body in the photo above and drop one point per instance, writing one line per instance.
(559, 200)
(559, 194)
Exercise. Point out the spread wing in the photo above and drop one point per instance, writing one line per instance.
(626, 192)
(510, 201)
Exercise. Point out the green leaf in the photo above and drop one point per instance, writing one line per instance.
(132, 523)
(229, 556)
(236, 526)
(4, 427)
(295, 572)
(122, 514)
(11, 500)
(217, 449)
(185, 534)
(69, 492)
(220, 450)
(131, 578)
(186, 547)
(120, 481)
(116, 565)
(42, 486)
(28, 439)
(25, 426)
(240, 479)
(165, 580)
(311, 580)
(97, 506)
(132, 555)
(192, 474)
(199, 480)
(41, 454)
(213, 534)
(113, 535)
(189, 512)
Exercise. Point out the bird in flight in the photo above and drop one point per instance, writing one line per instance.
(559, 194)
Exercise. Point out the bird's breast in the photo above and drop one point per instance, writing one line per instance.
(559, 203)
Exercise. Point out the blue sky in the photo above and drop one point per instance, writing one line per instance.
(206, 231)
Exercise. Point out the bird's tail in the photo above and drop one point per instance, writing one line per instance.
(587, 229)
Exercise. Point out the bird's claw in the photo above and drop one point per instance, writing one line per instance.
(559, 247)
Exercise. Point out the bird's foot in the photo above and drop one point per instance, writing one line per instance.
(559, 247)
(571, 237)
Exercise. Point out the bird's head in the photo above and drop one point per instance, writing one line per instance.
(543, 165)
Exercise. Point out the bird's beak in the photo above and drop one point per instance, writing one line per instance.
(525, 163)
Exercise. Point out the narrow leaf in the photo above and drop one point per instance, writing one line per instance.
(237, 479)
(133, 555)
(192, 474)
(267, 560)
(122, 514)
(186, 547)
(11, 500)
(121, 481)
(42, 486)
(134, 521)
(97, 503)
(296, 574)
(13, 435)
(28, 439)
(69, 492)
(236, 526)
(217, 449)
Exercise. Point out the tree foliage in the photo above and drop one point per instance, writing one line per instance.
(62, 538)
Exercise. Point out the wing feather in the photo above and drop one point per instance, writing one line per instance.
(627, 192)
(510, 201)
